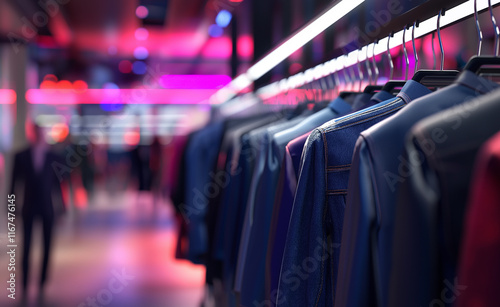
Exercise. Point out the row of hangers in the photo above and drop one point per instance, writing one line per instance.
(328, 87)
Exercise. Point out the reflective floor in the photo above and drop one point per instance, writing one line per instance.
(116, 251)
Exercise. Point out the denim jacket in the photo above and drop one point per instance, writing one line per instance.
(312, 248)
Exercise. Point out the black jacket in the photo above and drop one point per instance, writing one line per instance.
(38, 187)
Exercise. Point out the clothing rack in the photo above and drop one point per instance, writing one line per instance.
(454, 12)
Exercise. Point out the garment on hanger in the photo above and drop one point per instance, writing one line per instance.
(201, 154)
(285, 192)
(318, 209)
(479, 266)
(376, 174)
(262, 168)
(431, 203)
(231, 182)
(254, 268)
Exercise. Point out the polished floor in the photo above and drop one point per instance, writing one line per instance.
(116, 251)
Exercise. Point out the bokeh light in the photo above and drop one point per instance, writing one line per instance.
(141, 12)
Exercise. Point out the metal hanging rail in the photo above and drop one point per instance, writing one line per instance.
(456, 11)
(451, 16)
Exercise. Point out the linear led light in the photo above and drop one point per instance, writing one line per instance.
(302, 37)
(286, 49)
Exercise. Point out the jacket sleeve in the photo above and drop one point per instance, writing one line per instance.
(306, 272)
(415, 272)
(356, 285)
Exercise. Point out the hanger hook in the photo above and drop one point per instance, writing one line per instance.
(360, 71)
(368, 67)
(389, 57)
(441, 12)
(433, 51)
(375, 78)
(344, 73)
(336, 75)
(407, 61)
(353, 76)
(329, 77)
(415, 53)
(479, 32)
(495, 27)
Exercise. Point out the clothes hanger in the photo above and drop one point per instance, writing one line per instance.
(372, 89)
(477, 63)
(433, 78)
(348, 81)
(392, 85)
(360, 72)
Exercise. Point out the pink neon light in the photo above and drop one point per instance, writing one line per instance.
(217, 48)
(119, 96)
(245, 47)
(7, 96)
(194, 81)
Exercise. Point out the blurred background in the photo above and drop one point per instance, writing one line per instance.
(116, 86)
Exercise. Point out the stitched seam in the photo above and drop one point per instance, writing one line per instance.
(338, 166)
(322, 263)
(405, 97)
(325, 151)
(337, 170)
(364, 112)
(365, 120)
(336, 192)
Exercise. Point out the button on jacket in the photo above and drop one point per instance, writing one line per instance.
(430, 209)
(377, 171)
(310, 260)
(479, 265)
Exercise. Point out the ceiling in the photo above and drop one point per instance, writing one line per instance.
(177, 28)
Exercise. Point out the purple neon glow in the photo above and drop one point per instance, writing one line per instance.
(194, 81)
(215, 31)
(119, 96)
(141, 53)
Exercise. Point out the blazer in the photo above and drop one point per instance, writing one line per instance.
(38, 186)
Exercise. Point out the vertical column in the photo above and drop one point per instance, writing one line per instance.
(13, 71)
(234, 40)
